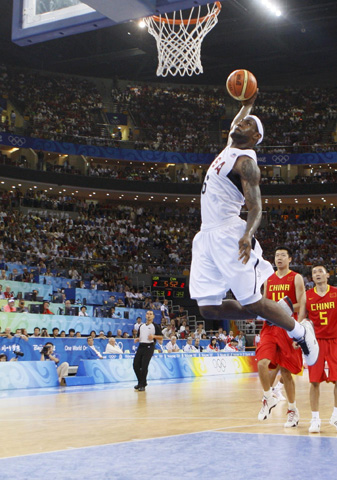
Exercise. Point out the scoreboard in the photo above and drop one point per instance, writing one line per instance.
(169, 287)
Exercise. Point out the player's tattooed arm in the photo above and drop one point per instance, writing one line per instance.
(250, 180)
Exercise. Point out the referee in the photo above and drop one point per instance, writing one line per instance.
(148, 333)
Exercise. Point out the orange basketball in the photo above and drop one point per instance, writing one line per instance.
(241, 85)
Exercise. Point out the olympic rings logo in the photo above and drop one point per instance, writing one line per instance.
(17, 141)
(280, 158)
(219, 364)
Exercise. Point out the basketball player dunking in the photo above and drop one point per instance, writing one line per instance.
(225, 254)
(276, 347)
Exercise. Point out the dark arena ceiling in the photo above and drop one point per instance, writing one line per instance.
(298, 48)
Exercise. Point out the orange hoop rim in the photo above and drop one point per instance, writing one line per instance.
(193, 21)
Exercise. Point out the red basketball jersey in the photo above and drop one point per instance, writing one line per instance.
(323, 312)
(278, 288)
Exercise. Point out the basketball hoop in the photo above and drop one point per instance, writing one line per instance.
(179, 40)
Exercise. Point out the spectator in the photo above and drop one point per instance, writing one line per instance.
(10, 307)
(44, 332)
(197, 345)
(22, 308)
(83, 311)
(112, 346)
(19, 334)
(55, 333)
(188, 348)
(119, 333)
(241, 342)
(7, 333)
(71, 333)
(8, 293)
(159, 347)
(199, 331)
(231, 346)
(45, 309)
(3, 358)
(172, 346)
(165, 311)
(257, 339)
(212, 347)
(37, 332)
(91, 353)
(48, 354)
(138, 323)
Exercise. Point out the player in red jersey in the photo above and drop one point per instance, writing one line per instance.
(276, 347)
(319, 304)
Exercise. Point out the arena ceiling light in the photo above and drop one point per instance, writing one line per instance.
(271, 7)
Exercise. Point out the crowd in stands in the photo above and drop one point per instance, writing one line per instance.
(143, 239)
(170, 118)
(138, 238)
(297, 118)
(136, 173)
(175, 118)
(57, 107)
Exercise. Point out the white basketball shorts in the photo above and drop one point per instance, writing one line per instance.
(216, 269)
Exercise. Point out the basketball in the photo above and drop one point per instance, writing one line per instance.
(241, 84)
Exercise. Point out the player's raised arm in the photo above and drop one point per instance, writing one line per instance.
(250, 179)
(245, 110)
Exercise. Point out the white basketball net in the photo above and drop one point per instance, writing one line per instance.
(179, 40)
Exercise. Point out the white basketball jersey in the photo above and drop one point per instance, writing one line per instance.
(221, 194)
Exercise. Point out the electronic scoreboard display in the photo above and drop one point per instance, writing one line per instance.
(169, 287)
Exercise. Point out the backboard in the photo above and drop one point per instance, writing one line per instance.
(37, 21)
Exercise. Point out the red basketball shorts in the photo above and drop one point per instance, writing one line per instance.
(327, 353)
(276, 346)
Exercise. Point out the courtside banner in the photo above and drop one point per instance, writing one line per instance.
(20, 375)
(119, 368)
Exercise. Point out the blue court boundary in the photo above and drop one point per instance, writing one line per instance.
(206, 455)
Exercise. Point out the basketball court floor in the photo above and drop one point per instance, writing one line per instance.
(190, 428)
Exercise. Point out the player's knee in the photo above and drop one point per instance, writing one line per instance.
(254, 308)
(264, 363)
(209, 312)
(315, 384)
(286, 375)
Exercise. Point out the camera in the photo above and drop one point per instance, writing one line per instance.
(18, 354)
(45, 350)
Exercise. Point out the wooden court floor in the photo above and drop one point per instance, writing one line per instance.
(73, 417)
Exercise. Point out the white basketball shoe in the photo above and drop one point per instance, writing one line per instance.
(315, 425)
(292, 419)
(308, 343)
(267, 405)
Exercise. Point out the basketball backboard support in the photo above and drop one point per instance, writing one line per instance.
(37, 21)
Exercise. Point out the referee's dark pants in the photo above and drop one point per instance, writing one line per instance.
(141, 362)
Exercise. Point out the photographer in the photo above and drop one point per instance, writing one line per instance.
(3, 357)
(47, 353)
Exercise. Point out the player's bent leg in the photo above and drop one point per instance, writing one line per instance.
(289, 384)
(227, 310)
(263, 371)
(293, 414)
(302, 333)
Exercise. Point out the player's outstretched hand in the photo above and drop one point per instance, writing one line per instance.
(245, 247)
(251, 100)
